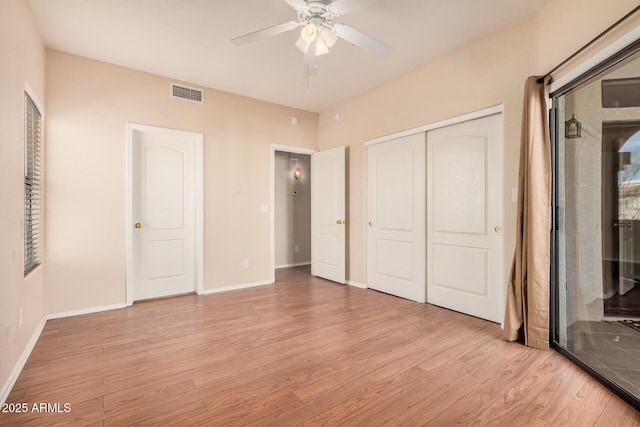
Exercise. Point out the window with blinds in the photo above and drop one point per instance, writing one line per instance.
(32, 183)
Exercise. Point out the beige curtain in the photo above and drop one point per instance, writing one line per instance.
(527, 311)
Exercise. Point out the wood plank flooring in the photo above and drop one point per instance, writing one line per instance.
(304, 351)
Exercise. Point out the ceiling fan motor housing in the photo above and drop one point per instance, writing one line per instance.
(316, 9)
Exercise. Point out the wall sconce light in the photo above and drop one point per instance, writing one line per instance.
(297, 173)
(572, 128)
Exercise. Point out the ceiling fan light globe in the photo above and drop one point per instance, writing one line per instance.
(309, 33)
(302, 45)
(321, 47)
(329, 36)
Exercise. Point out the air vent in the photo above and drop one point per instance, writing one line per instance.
(188, 93)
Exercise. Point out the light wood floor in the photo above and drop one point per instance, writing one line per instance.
(302, 351)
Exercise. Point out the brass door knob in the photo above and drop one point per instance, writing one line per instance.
(339, 222)
(370, 223)
(138, 225)
(498, 229)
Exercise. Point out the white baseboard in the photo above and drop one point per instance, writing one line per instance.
(295, 264)
(85, 311)
(356, 284)
(236, 287)
(17, 369)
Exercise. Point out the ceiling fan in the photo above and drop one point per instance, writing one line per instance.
(319, 32)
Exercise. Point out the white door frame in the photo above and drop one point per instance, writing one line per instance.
(199, 203)
(498, 109)
(272, 202)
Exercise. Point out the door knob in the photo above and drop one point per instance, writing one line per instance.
(339, 221)
(370, 223)
(138, 225)
(498, 229)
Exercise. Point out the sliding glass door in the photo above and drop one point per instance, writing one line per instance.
(596, 127)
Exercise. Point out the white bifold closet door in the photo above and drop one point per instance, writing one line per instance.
(396, 217)
(435, 217)
(464, 218)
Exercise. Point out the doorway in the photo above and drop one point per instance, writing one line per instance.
(328, 198)
(164, 212)
(282, 170)
(292, 174)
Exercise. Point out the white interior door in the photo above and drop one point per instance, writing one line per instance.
(163, 259)
(328, 222)
(396, 215)
(464, 240)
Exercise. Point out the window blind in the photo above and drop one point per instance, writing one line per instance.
(32, 184)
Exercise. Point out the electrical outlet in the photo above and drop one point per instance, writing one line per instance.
(20, 311)
(245, 263)
(296, 249)
(7, 332)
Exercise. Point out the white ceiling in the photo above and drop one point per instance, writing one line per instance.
(189, 40)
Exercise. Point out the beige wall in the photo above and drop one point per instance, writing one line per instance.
(480, 75)
(292, 213)
(89, 104)
(23, 61)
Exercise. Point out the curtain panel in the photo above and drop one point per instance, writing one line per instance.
(527, 309)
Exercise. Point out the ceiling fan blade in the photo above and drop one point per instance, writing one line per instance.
(342, 7)
(360, 39)
(297, 4)
(265, 32)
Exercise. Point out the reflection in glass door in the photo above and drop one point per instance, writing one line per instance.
(621, 211)
(597, 227)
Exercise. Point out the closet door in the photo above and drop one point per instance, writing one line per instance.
(396, 217)
(464, 228)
